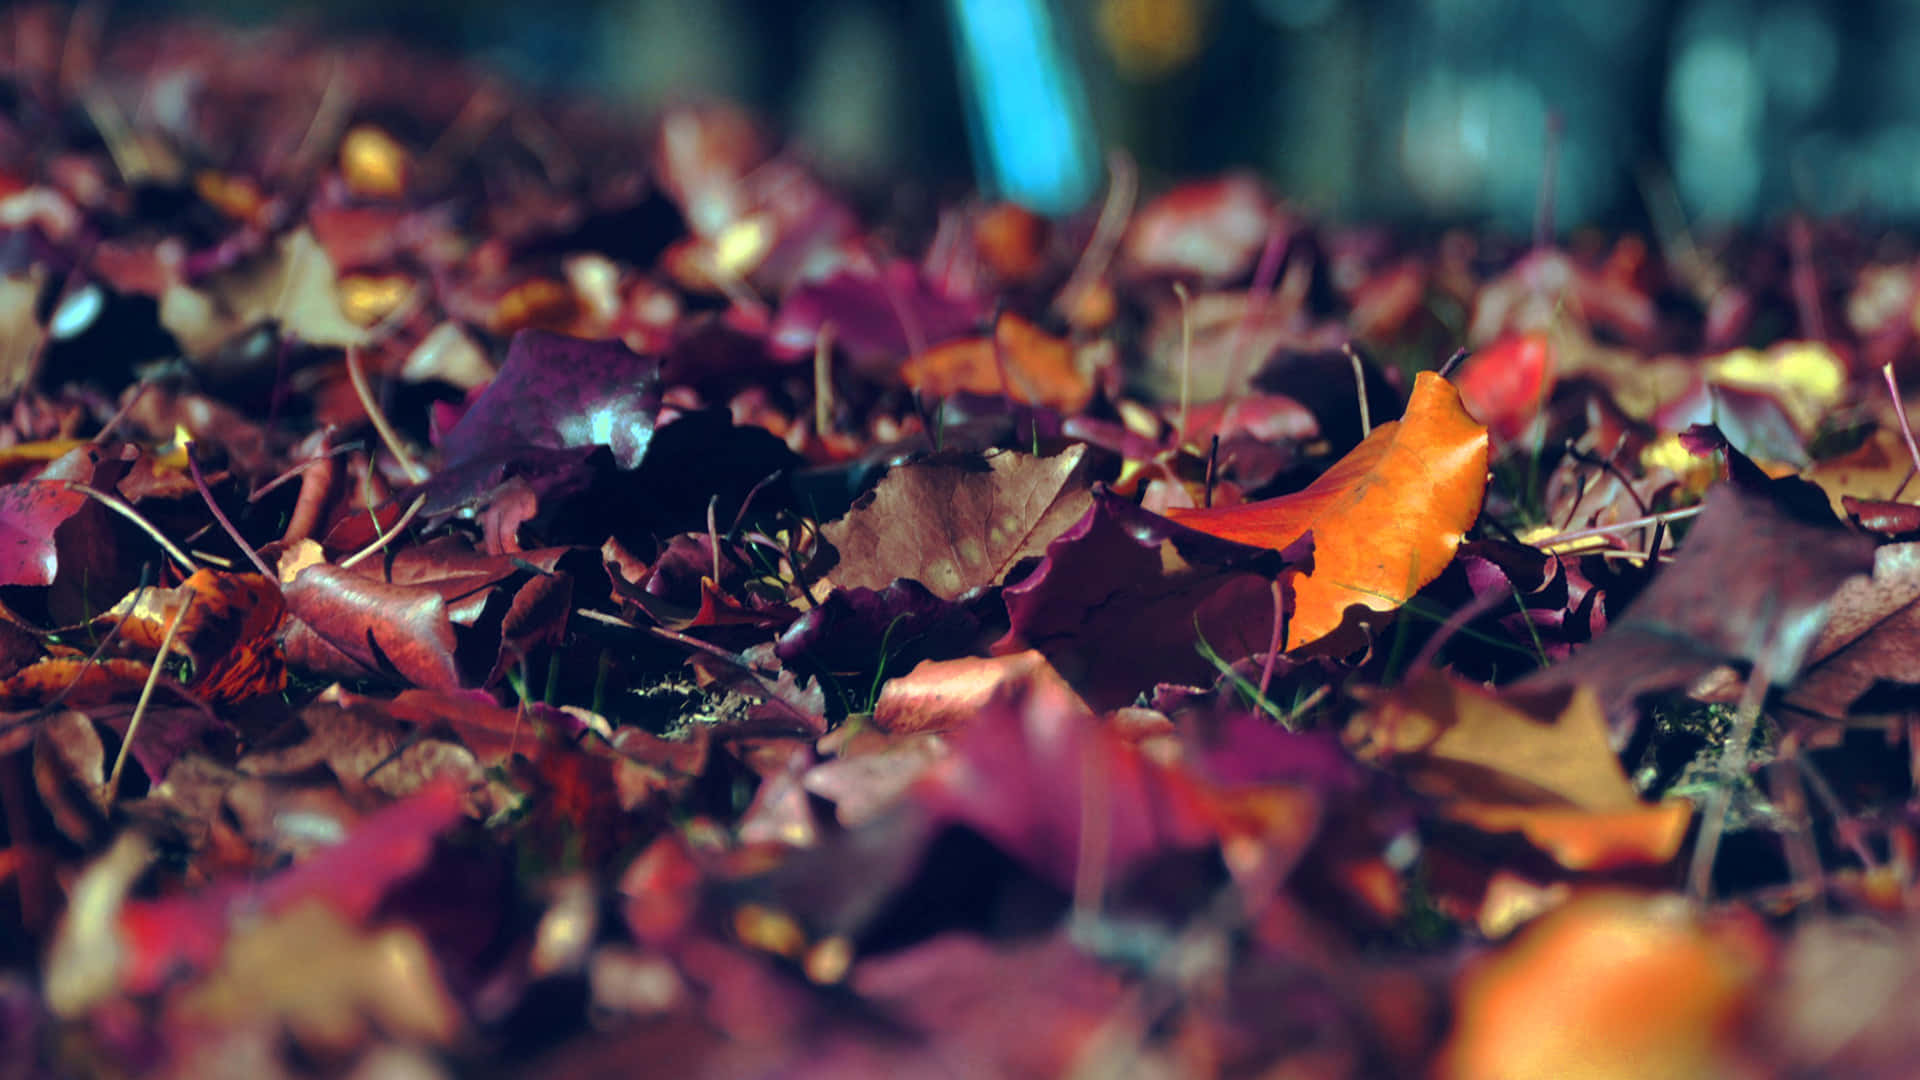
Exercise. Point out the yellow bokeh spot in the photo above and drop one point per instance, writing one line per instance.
(1804, 376)
(1149, 39)
(374, 164)
(368, 298)
(740, 246)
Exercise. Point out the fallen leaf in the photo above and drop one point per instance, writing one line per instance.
(326, 982)
(1126, 598)
(1035, 767)
(553, 393)
(1385, 519)
(32, 511)
(1866, 660)
(877, 318)
(292, 288)
(1609, 987)
(1020, 361)
(347, 625)
(1213, 229)
(1455, 740)
(229, 633)
(1753, 582)
(1504, 384)
(959, 525)
(1539, 766)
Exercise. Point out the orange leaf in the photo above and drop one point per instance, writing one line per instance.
(229, 633)
(1609, 986)
(1386, 519)
(1588, 840)
(1544, 769)
(1039, 366)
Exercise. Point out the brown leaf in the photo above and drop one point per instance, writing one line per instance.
(293, 287)
(945, 695)
(326, 982)
(365, 745)
(1537, 765)
(70, 772)
(1455, 740)
(1867, 657)
(74, 681)
(1753, 582)
(959, 525)
(228, 633)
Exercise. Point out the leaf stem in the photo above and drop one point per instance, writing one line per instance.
(119, 506)
(146, 697)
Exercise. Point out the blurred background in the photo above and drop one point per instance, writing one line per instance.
(1417, 111)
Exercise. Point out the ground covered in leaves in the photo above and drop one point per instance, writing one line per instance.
(491, 587)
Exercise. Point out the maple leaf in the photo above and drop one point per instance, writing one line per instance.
(1385, 520)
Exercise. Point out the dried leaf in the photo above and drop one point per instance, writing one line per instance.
(326, 982)
(1126, 598)
(1610, 987)
(958, 525)
(1453, 740)
(1385, 519)
(348, 625)
(292, 288)
(1020, 361)
(1213, 229)
(1753, 583)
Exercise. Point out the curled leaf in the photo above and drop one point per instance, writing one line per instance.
(1385, 519)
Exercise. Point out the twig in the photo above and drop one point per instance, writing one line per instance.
(146, 696)
(1213, 455)
(219, 515)
(1186, 355)
(118, 506)
(139, 391)
(1556, 540)
(1094, 852)
(386, 538)
(823, 379)
(1900, 411)
(1123, 186)
(1733, 770)
(1259, 291)
(1279, 637)
(388, 436)
(1360, 386)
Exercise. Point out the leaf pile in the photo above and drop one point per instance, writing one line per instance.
(502, 588)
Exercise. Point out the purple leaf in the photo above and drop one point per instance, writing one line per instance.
(554, 393)
(1124, 597)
